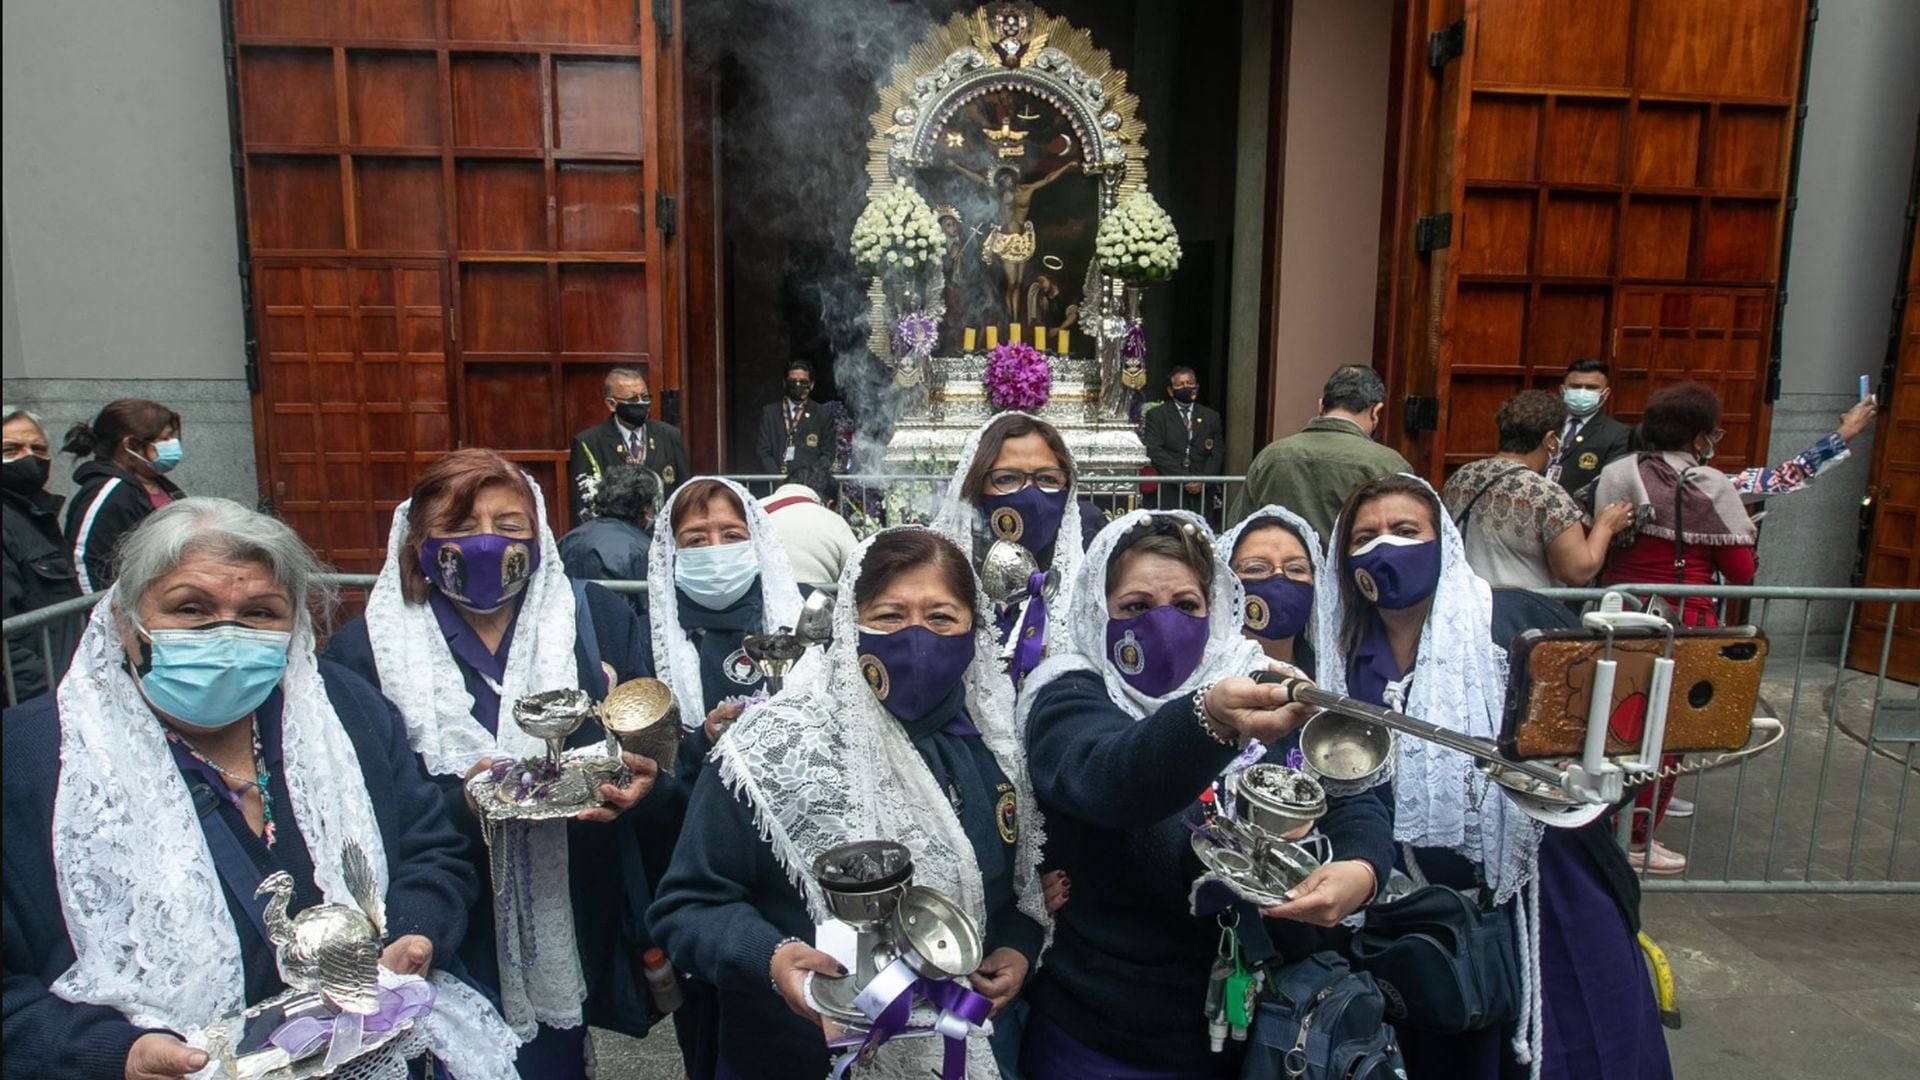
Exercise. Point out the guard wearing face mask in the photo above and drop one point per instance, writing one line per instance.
(1184, 438)
(796, 428)
(1590, 438)
(39, 571)
(133, 445)
(628, 436)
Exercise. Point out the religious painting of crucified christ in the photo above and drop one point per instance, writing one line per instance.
(1020, 211)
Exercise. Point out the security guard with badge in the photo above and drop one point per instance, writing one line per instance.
(1183, 438)
(795, 428)
(1590, 438)
(626, 437)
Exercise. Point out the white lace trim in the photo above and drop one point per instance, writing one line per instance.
(1440, 799)
(676, 659)
(825, 764)
(959, 521)
(419, 675)
(143, 904)
(1316, 552)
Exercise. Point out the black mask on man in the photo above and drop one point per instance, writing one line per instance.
(1185, 395)
(26, 474)
(798, 389)
(633, 413)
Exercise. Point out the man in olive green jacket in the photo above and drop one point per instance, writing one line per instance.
(1312, 473)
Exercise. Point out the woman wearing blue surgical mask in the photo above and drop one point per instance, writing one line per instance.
(911, 739)
(1414, 629)
(194, 751)
(1277, 555)
(473, 611)
(1016, 482)
(1139, 711)
(130, 448)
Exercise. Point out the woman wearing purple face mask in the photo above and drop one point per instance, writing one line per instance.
(910, 739)
(1277, 557)
(471, 612)
(1016, 482)
(1136, 714)
(1419, 632)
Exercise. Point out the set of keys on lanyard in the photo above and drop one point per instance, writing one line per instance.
(1232, 990)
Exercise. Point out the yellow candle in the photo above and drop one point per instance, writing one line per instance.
(1064, 341)
(967, 340)
(993, 338)
(1013, 333)
(1040, 338)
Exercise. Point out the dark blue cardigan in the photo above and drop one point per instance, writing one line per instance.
(1127, 973)
(615, 866)
(430, 889)
(726, 904)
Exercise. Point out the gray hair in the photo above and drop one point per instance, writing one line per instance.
(16, 412)
(606, 384)
(625, 492)
(1353, 388)
(223, 529)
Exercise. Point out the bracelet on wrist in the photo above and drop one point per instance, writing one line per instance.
(784, 942)
(1215, 730)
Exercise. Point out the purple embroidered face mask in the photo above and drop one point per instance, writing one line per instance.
(1278, 607)
(913, 670)
(479, 572)
(1155, 651)
(1396, 571)
(1028, 517)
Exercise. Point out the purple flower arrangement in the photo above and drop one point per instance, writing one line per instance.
(1017, 377)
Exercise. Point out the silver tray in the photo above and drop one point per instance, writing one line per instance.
(582, 771)
(273, 1063)
(833, 999)
(1261, 874)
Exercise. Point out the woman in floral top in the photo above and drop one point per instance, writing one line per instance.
(1521, 529)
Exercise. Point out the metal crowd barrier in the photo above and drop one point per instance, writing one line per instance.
(870, 501)
(1830, 810)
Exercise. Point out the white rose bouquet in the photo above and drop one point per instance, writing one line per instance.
(897, 232)
(1137, 243)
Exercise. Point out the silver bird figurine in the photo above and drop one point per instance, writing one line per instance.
(330, 949)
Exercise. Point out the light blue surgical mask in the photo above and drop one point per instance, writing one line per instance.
(166, 454)
(1580, 401)
(208, 677)
(716, 577)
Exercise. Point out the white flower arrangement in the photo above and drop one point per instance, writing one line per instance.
(1137, 242)
(897, 231)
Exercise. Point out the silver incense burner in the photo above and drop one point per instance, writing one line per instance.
(868, 885)
(1258, 852)
(776, 654)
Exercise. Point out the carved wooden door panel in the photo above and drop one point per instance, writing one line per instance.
(502, 157)
(1586, 178)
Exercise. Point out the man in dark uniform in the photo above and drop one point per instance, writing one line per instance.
(1183, 438)
(626, 437)
(1589, 438)
(795, 429)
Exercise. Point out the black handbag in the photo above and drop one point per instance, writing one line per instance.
(1320, 1020)
(1443, 962)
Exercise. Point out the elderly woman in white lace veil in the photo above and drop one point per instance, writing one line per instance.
(1136, 714)
(473, 611)
(1279, 560)
(194, 751)
(1407, 624)
(1017, 481)
(716, 572)
(909, 739)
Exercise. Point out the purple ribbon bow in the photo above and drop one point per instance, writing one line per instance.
(1032, 631)
(302, 1035)
(888, 1002)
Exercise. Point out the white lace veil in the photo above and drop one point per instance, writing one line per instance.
(419, 675)
(1440, 799)
(1316, 551)
(958, 520)
(676, 659)
(822, 764)
(152, 935)
(1084, 648)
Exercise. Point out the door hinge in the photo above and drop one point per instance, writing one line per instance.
(1423, 414)
(1445, 46)
(663, 19)
(1433, 233)
(253, 365)
(666, 212)
(1773, 380)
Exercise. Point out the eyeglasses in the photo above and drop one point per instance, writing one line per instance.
(1008, 481)
(634, 400)
(1260, 570)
